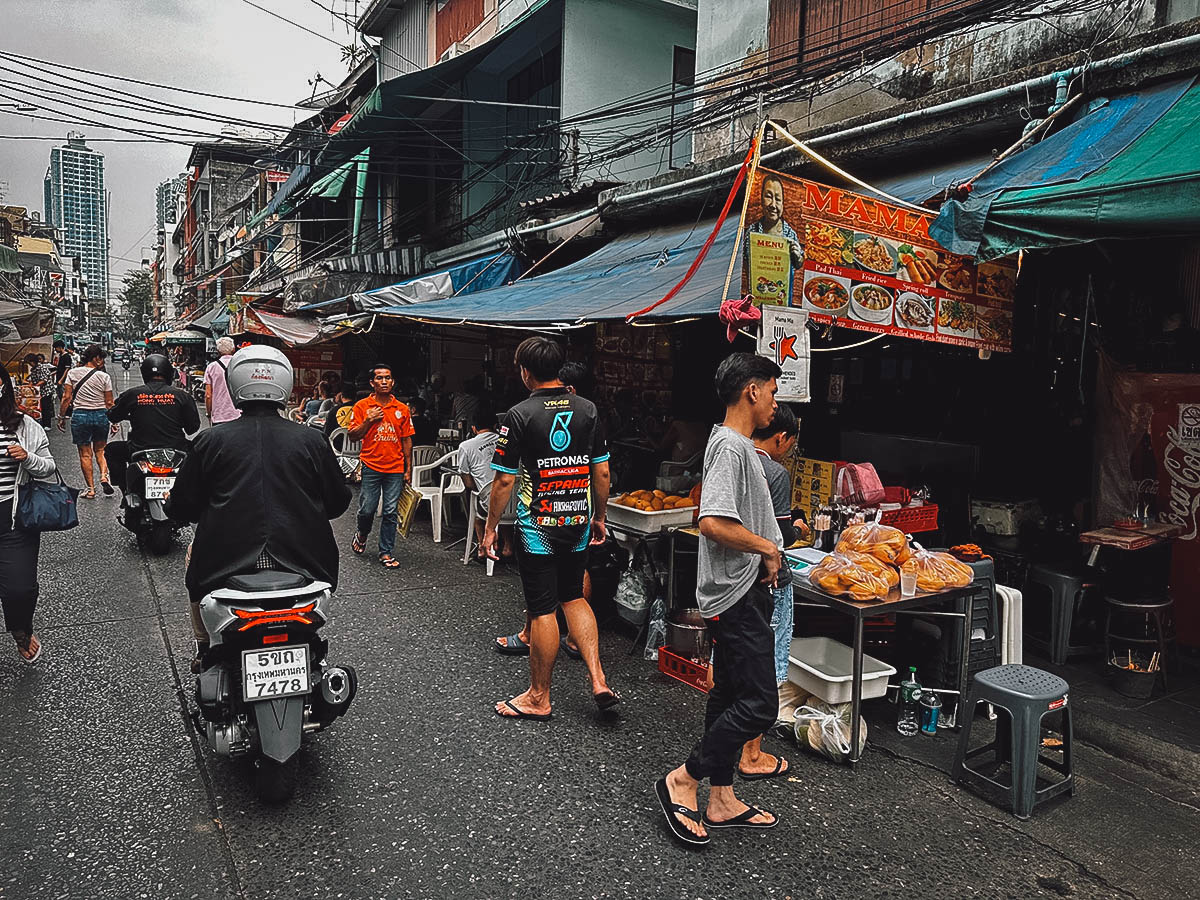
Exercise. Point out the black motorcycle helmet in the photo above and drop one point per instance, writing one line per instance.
(157, 366)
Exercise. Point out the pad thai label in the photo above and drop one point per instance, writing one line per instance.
(871, 266)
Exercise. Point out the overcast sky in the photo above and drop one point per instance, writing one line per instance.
(220, 46)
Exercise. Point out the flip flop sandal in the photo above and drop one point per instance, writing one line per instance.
(569, 650)
(670, 808)
(606, 700)
(89, 494)
(359, 544)
(743, 821)
(518, 713)
(106, 487)
(389, 561)
(759, 776)
(24, 646)
(512, 646)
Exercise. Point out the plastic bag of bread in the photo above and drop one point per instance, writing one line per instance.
(839, 575)
(937, 571)
(890, 574)
(885, 543)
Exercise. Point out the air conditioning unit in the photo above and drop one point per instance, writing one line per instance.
(458, 48)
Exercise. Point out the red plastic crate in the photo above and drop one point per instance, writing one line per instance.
(911, 519)
(690, 673)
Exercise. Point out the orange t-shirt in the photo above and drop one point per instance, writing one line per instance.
(382, 447)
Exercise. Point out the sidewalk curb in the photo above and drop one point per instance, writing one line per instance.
(1134, 745)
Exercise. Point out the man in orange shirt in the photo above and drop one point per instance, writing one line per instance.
(384, 425)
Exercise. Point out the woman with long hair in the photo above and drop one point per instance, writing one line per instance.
(24, 455)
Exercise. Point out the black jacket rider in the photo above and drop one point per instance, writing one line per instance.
(259, 483)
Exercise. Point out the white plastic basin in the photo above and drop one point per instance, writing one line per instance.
(825, 667)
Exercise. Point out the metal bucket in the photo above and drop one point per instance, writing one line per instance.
(687, 635)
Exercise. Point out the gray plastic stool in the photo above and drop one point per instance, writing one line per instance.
(1027, 695)
(1066, 593)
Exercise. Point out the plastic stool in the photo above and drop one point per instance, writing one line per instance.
(1027, 695)
(1160, 612)
(1066, 592)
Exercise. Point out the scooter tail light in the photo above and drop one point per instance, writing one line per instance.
(252, 618)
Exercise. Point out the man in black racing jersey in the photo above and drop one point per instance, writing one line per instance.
(552, 447)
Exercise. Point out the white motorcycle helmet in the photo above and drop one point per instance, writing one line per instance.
(259, 373)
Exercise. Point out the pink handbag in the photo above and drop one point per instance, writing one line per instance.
(859, 483)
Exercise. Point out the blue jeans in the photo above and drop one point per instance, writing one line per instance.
(783, 626)
(391, 484)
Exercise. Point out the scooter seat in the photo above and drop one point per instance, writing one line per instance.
(268, 580)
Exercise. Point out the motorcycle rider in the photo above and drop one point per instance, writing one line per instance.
(261, 489)
(160, 417)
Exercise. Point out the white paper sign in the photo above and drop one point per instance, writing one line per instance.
(784, 339)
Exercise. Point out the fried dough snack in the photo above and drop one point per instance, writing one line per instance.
(938, 571)
(839, 575)
(885, 543)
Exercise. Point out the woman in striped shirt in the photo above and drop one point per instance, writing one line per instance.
(24, 455)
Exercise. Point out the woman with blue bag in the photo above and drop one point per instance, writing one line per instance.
(24, 457)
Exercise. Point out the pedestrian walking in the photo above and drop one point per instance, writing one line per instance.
(772, 444)
(739, 563)
(554, 442)
(24, 455)
(384, 425)
(62, 365)
(217, 402)
(43, 375)
(86, 398)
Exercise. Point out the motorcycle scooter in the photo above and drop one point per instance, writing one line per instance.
(265, 681)
(149, 479)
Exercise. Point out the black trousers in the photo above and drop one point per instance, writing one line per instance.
(48, 411)
(744, 699)
(18, 573)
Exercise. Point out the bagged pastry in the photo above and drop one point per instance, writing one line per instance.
(937, 571)
(890, 574)
(885, 543)
(841, 576)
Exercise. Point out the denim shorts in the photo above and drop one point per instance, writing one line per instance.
(89, 426)
(783, 625)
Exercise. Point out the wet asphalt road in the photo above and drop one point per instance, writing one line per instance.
(105, 791)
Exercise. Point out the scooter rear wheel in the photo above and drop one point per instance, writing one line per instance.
(160, 538)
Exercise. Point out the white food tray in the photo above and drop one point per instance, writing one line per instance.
(825, 667)
(648, 522)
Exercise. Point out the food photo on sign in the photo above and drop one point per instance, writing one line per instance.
(861, 263)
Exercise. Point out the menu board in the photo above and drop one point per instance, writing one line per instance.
(812, 485)
(872, 266)
(772, 266)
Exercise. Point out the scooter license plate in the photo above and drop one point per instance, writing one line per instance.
(158, 488)
(278, 672)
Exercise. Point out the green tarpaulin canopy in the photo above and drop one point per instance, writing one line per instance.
(8, 260)
(1150, 189)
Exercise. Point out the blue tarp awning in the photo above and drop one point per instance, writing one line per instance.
(1068, 156)
(621, 278)
(467, 278)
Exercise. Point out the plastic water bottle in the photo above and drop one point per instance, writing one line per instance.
(908, 722)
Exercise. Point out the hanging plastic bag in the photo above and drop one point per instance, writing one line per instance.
(885, 543)
(839, 575)
(825, 729)
(656, 632)
(937, 571)
(637, 587)
(859, 483)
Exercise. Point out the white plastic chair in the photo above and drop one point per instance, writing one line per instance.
(508, 517)
(422, 456)
(436, 488)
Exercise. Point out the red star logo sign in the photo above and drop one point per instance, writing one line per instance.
(786, 349)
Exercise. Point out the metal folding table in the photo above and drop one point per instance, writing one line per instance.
(807, 594)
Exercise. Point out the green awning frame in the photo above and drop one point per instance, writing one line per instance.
(8, 260)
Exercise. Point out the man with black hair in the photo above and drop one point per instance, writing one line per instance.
(739, 562)
(554, 442)
(384, 425)
(475, 467)
(772, 444)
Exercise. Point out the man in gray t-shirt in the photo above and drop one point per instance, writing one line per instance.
(739, 564)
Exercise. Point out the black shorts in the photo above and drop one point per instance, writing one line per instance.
(550, 579)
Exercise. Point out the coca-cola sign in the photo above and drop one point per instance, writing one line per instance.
(1181, 461)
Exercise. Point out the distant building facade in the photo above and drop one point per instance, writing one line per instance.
(77, 205)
